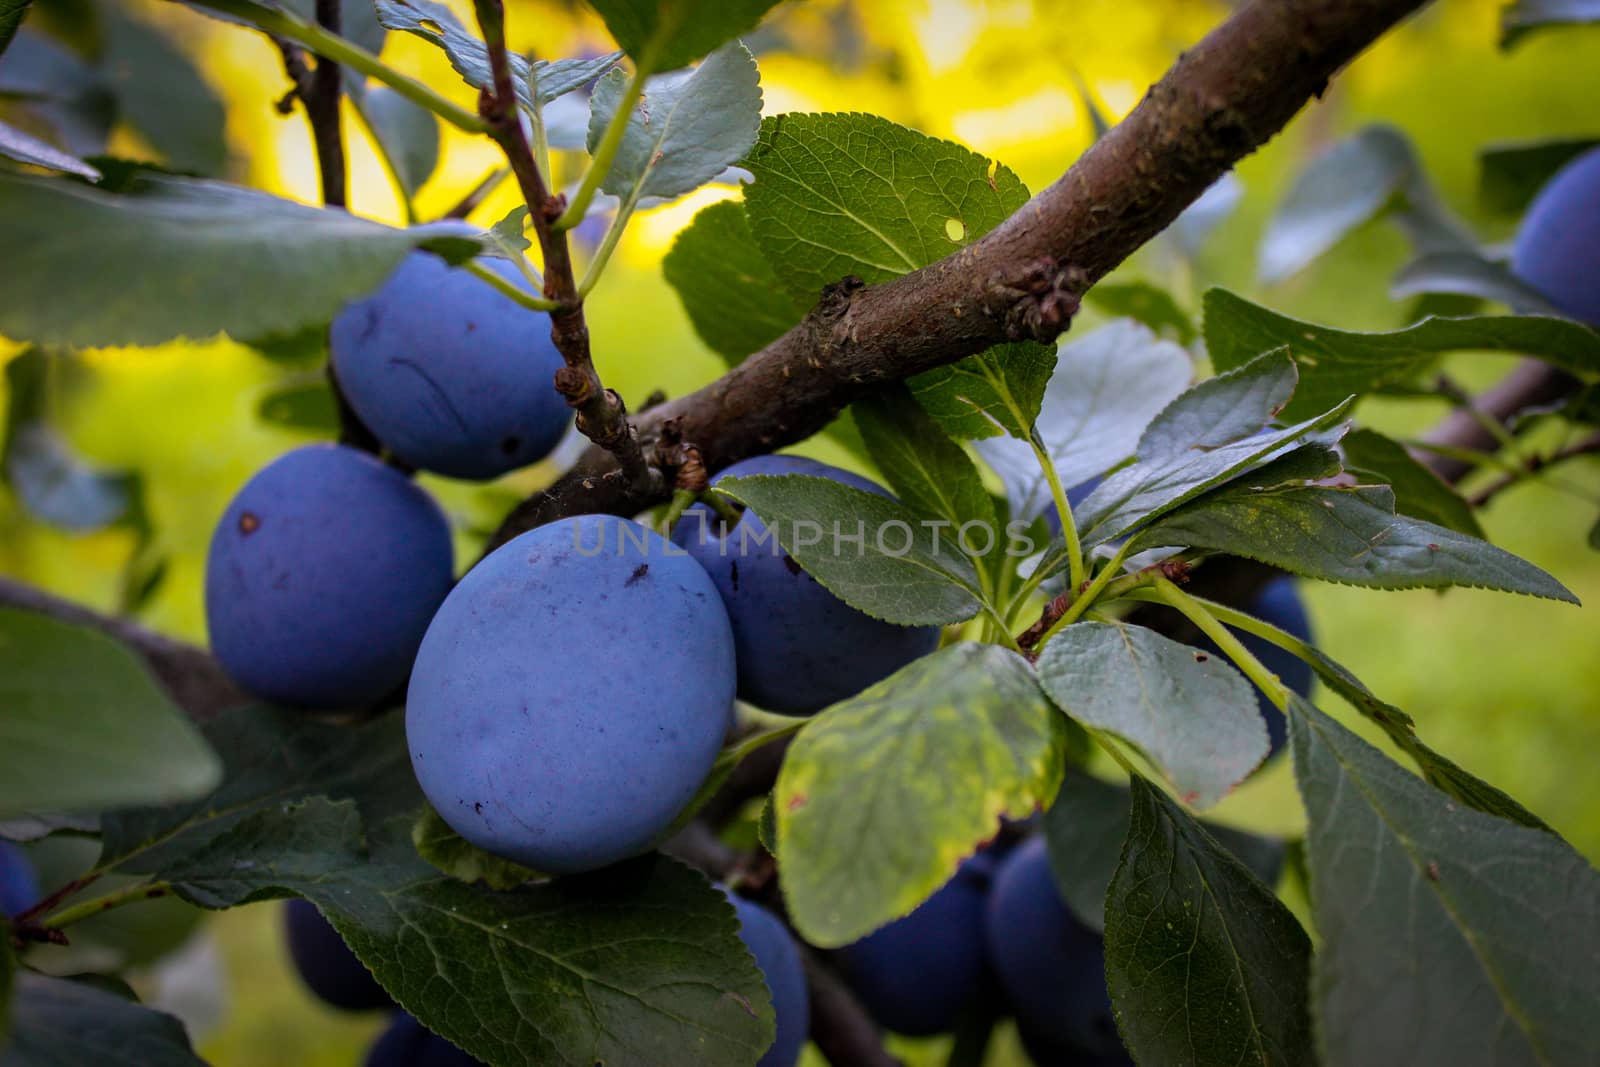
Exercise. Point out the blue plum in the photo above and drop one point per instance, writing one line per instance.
(1279, 603)
(800, 647)
(917, 975)
(1050, 965)
(407, 1043)
(326, 964)
(1557, 250)
(775, 952)
(322, 576)
(571, 694)
(452, 375)
(19, 885)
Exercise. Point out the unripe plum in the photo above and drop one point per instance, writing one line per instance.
(571, 694)
(1557, 250)
(1051, 966)
(800, 647)
(326, 964)
(322, 576)
(407, 1043)
(19, 886)
(917, 975)
(451, 374)
(1279, 603)
(775, 952)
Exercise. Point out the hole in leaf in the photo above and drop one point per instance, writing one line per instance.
(431, 26)
(955, 229)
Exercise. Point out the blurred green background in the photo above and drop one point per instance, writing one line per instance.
(1509, 687)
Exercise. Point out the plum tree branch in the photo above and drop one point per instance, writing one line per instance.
(601, 415)
(1223, 98)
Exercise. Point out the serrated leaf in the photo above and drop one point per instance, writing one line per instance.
(852, 194)
(672, 33)
(1346, 186)
(687, 128)
(307, 406)
(1335, 363)
(926, 469)
(25, 148)
(633, 964)
(997, 391)
(1418, 491)
(1145, 303)
(1191, 713)
(1468, 273)
(454, 855)
(1137, 495)
(551, 79)
(1222, 409)
(409, 135)
(270, 758)
(148, 73)
(1449, 936)
(1511, 175)
(182, 258)
(1351, 536)
(1525, 16)
(732, 294)
(922, 766)
(1106, 387)
(1086, 827)
(900, 571)
(58, 1022)
(12, 13)
(85, 726)
(1203, 963)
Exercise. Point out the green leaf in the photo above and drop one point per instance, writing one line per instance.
(994, 392)
(688, 127)
(1107, 386)
(881, 796)
(85, 726)
(671, 33)
(550, 80)
(617, 966)
(270, 758)
(1418, 491)
(876, 555)
(926, 469)
(306, 405)
(181, 258)
(1511, 175)
(150, 76)
(1350, 184)
(1222, 409)
(1191, 713)
(732, 294)
(25, 148)
(1203, 962)
(453, 854)
(1351, 536)
(1449, 936)
(839, 195)
(12, 13)
(1085, 829)
(1468, 273)
(62, 1023)
(1137, 495)
(1335, 363)
(409, 135)
(1525, 16)
(1145, 303)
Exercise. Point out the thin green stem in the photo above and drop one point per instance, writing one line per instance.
(515, 292)
(541, 142)
(682, 500)
(1069, 529)
(1209, 625)
(332, 47)
(1087, 598)
(602, 255)
(725, 508)
(605, 152)
(1242, 621)
(407, 204)
(1030, 586)
(1111, 748)
(90, 908)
